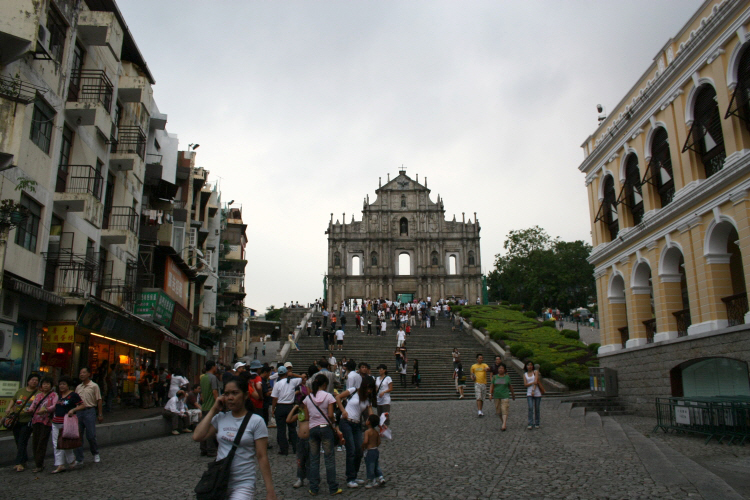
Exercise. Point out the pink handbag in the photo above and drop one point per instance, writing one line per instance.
(70, 427)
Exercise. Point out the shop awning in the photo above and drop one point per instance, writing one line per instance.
(173, 339)
(34, 291)
(197, 350)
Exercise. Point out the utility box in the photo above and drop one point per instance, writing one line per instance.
(603, 382)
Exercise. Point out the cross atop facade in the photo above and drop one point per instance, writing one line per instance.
(402, 170)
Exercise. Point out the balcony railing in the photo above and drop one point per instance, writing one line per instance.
(736, 308)
(89, 85)
(650, 325)
(683, 322)
(121, 218)
(130, 140)
(624, 335)
(17, 90)
(83, 179)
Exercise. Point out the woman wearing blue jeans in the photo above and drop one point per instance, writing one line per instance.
(533, 395)
(359, 404)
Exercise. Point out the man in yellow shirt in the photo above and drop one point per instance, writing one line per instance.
(479, 376)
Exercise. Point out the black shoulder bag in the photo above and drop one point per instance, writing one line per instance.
(215, 481)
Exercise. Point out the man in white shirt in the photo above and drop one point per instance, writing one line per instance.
(340, 339)
(283, 400)
(176, 412)
(401, 337)
(353, 378)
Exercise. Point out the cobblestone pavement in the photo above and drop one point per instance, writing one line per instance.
(440, 450)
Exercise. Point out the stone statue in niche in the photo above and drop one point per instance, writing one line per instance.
(336, 259)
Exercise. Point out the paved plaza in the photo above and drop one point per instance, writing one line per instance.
(442, 450)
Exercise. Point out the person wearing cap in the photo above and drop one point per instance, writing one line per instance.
(239, 367)
(283, 401)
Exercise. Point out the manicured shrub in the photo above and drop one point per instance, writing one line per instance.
(479, 323)
(546, 369)
(521, 351)
(466, 314)
(571, 334)
(530, 314)
(594, 347)
(549, 322)
(456, 309)
(515, 307)
(504, 303)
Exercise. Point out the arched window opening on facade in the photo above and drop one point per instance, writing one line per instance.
(404, 264)
(710, 377)
(452, 264)
(608, 209)
(739, 105)
(726, 268)
(374, 259)
(643, 301)
(434, 259)
(674, 285)
(659, 171)
(404, 226)
(618, 310)
(472, 260)
(403, 201)
(356, 265)
(706, 137)
(336, 259)
(631, 194)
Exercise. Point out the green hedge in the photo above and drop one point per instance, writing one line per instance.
(530, 314)
(546, 369)
(514, 307)
(466, 314)
(571, 334)
(456, 309)
(521, 351)
(479, 323)
(504, 303)
(594, 347)
(550, 323)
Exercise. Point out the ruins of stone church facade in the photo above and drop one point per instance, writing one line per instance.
(403, 246)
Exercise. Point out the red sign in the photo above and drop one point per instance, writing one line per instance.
(177, 342)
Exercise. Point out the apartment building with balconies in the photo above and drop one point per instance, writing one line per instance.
(78, 130)
(232, 261)
(668, 175)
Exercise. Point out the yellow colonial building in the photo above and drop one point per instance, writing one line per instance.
(668, 174)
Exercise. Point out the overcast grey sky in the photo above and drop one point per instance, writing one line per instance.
(300, 106)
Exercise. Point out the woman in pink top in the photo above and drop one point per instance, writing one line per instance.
(319, 406)
(43, 407)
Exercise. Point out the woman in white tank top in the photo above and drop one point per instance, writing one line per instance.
(533, 395)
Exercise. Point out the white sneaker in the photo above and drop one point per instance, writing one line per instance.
(352, 484)
(298, 484)
(340, 448)
(372, 483)
(97, 458)
(359, 481)
(381, 480)
(78, 463)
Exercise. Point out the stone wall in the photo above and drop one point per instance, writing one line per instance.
(643, 372)
(259, 328)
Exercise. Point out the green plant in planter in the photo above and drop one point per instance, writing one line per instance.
(479, 323)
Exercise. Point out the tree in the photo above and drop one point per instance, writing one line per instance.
(273, 314)
(538, 271)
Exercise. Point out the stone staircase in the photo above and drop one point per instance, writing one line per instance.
(432, 347)
(668, 468)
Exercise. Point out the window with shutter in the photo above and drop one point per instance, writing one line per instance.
(608, 209)
(193, 237)
(739, 105)
(659, 172)
(631, 194)
(706, 137)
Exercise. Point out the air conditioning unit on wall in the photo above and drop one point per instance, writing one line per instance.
(8, 307)
(6, 341)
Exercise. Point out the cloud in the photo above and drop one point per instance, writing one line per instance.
(300, 107)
